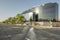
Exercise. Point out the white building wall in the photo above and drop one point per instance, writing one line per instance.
(28, 15)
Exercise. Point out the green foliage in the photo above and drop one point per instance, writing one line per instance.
(17, 19)
(6, 21)
(11, 20)
(31, 19)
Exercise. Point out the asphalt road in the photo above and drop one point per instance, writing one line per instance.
(28, 33)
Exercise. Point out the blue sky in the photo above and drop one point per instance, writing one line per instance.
(9, 8)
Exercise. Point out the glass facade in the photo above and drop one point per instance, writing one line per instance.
(47, 11)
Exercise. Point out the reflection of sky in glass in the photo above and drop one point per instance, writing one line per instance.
(37, 10)
(30, 14)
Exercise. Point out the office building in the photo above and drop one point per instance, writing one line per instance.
(47, 11)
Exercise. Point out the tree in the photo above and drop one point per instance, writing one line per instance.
(10, 20)
(6, 21)
(31, 19)
(19, 18)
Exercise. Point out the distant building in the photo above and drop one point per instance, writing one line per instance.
(47, 11)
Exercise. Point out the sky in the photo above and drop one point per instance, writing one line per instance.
(9, 8)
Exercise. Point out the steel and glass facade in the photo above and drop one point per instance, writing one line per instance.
(47, 11)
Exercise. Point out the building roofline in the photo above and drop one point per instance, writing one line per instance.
(31, 9)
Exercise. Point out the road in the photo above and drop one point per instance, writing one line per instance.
(47, 34)
(28, 33)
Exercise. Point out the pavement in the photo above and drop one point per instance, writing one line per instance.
(28, 33)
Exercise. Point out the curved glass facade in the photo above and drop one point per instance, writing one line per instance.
(47, 11)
